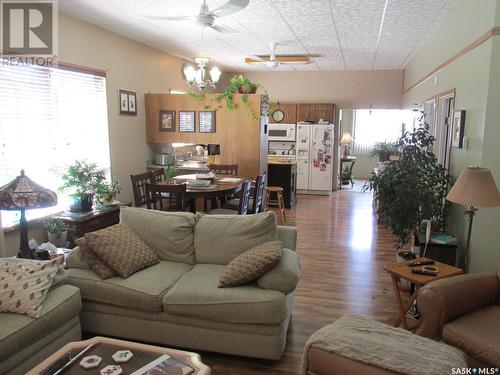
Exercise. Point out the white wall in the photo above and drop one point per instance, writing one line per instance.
(475, 77)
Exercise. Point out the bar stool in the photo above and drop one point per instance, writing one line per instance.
(279, 201)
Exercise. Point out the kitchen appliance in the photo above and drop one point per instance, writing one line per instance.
(314, 158)
(281, 132)
(164, 159)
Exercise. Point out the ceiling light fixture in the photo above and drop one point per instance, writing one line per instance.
(197, 76)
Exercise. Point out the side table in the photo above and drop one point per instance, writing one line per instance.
(346, 181)
(98, 218)
(400, 270)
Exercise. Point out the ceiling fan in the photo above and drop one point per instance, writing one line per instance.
(208, 17)
(273, 60)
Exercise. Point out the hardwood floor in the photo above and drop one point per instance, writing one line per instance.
(342, 253)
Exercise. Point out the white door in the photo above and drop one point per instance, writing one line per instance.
(302, 174)
(320, 177)
(302, 145)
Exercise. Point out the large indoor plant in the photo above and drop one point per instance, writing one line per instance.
(412, 188)
(384, 150)
(80, 179)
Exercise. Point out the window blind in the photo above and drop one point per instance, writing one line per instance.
(49, 118)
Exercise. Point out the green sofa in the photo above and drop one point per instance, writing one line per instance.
(26, 341)
(177, 302)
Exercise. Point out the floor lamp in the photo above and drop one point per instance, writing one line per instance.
(475, 188)
(23, 194)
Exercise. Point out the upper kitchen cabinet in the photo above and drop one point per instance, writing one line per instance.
(288, 113)
(316, 112)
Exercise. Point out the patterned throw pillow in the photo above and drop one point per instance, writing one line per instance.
(96, 263)
(121, 249)
(24, 284)
(252, 264)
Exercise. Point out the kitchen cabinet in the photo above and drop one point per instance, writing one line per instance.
(289, 110)
(285, 176)
(316, 112)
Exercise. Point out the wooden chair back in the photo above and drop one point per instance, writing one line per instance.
(166, 197)
(258, 196)
(227, 169)
(139, 182)
(157, 176)
(245, 197)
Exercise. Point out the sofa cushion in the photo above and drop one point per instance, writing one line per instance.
(221, 238)
(19, 331)
(197, 294)
(143, 290)
(477, 334)
(95, 263)
(24, 284)
(285, 276)
(251, 264)
(169, 234)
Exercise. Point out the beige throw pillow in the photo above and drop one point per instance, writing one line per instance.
(251, 264)
(121, 249)
(96, 264)
(24, 284)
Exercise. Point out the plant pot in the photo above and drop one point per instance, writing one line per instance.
(82, 203)
(247, 90)
(383, 157)
(58, 241)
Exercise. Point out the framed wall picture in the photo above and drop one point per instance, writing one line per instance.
(167, 121)
(206, 121)
(187, 121)
(128, 102)
(457, 132)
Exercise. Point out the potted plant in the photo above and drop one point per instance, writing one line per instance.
(106, 192)
(384, 150)
(57, 231)
(412, 188)
(242, 85)
(81, 179)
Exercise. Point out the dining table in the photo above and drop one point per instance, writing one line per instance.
(222, 187)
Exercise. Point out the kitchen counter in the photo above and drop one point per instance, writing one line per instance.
(279, 161)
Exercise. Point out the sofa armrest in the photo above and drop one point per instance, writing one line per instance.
(288, 235)
(285, 276)
(75, 259)
(444, 300)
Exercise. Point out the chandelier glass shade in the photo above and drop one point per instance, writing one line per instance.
(198, 76)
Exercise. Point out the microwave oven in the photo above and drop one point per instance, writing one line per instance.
(281, 132)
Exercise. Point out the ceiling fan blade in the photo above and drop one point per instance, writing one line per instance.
(294, 59)
(173, 18)
(232, 6)
(256, 60)
(224, 29)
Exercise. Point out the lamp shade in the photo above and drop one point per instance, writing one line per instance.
(23, 194)
(475, 187)
(346, 138)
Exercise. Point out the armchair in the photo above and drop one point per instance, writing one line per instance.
(464, 312)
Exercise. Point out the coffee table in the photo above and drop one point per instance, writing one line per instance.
(400, 270)
(105, 347)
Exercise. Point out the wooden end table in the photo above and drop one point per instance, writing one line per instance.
(400, 270)
(105, 347)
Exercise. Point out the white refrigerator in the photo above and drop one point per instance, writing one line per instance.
(314, 158)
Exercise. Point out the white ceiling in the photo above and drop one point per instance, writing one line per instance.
(347, 34)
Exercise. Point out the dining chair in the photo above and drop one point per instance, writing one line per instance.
(158, 175)
(139, 182)
(166, 197)
(257, 196)
(244, 204)
(227, 169)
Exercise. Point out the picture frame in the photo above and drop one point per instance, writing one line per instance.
(167, 121)
(187, 121)
(127, 102)
(206, 122)
(458, 127)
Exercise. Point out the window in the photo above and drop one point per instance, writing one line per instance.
(380, 125)
(49, 118)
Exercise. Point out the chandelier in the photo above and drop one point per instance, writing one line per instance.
(197, 76)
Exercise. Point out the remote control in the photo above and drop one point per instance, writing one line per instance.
(423, 272)
(421, 263)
